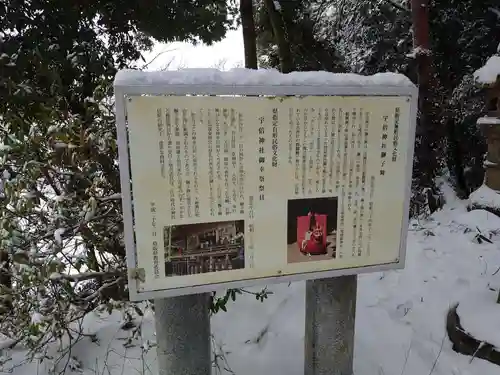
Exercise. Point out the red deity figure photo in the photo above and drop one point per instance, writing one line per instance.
(311, 234)
(312, 229)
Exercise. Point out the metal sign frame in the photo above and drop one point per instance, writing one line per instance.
(124, 90)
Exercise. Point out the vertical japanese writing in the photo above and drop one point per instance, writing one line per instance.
(347, 175)
(194, 150)
(395, 140)
(227, 200)
(318, 150)
(350, 201)
(180, 185)
(327, 153)
(326, 142)
(251, 228)
(161, 142)
(154, 240)
(365, 151)
(241, 162)
(297, 149)
(361, 225)
(218, 161)
(334, 153)
(345, 129)
(168, 125)
(383, 144)
(234, 162)
(363, 185)
(275, 138)
(341, 153)
(357, 221)
(304, 150)
(251, 213)
(210, 163)
(311, 148)
(370, 214)
(261, 158)
(187, 162)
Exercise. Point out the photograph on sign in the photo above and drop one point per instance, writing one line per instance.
(311, 229)
(235, 188)
(206, 247)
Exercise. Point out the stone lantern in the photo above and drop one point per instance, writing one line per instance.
(487, 196)
(490, 127)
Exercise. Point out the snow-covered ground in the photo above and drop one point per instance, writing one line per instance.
(400, 323)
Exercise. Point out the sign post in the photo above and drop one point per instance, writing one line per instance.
(253, 177)
(329, 330)
(183, 335)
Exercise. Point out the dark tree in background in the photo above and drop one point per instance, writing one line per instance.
(464, 35)
(308, 50)
(249, 35)
(367, 37)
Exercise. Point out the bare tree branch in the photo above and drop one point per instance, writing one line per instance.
(84, 276)
(156, 56)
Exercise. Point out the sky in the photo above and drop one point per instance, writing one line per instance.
(225, 54)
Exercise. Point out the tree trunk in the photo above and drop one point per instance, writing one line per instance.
(249, 35)
(5, 282)
(420, 18)
(427, 133)
(280, 36)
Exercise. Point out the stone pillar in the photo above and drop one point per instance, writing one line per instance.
(183, 335)
(490, 127)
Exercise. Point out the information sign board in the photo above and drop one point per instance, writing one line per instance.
(243, 188)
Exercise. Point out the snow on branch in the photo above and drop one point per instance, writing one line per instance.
(418, 51)
(84, 276)
(489, 73)
(496, 11)
(102, 288)
(7, 343)
(61, 233)
(488, 121)
(398, 6)
(115, 196)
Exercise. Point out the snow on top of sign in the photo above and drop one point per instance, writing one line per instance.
(488, 121)
(489, 72)
(250, 77)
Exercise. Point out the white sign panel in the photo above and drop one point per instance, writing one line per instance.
(241, 190)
